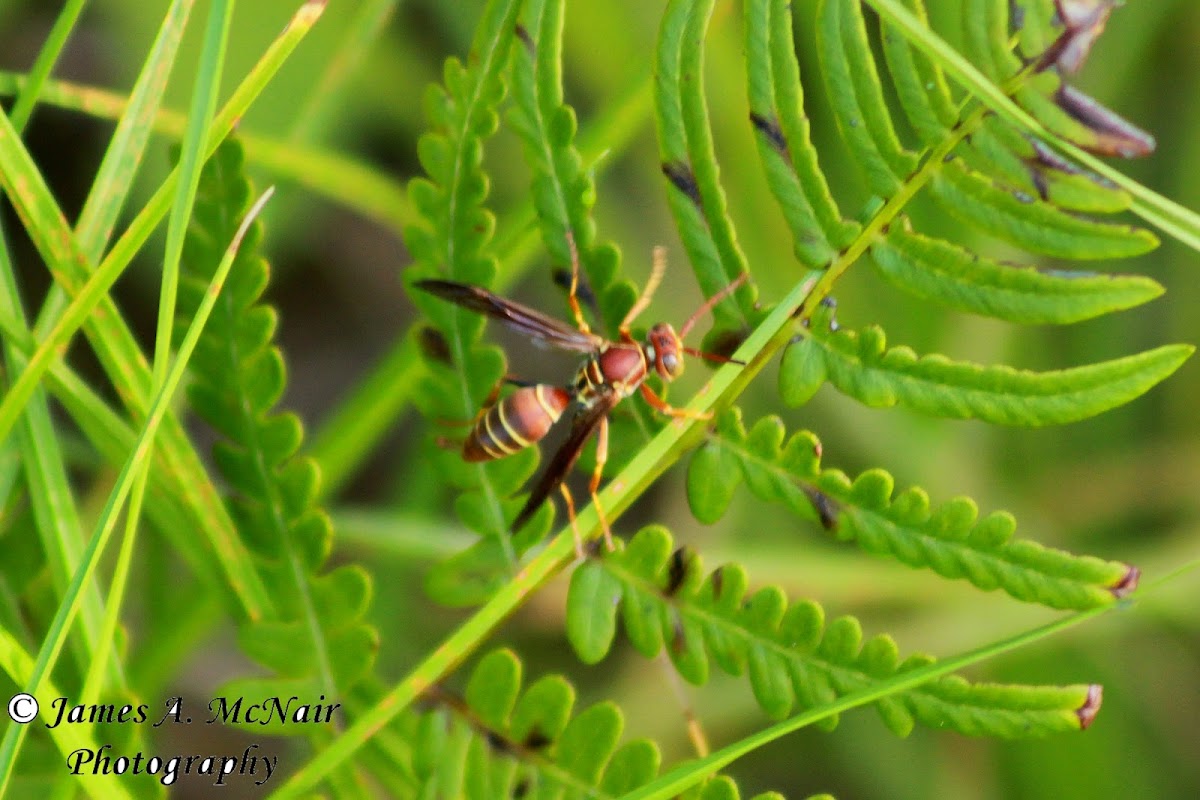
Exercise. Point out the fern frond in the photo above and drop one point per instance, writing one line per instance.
(986, 31)
(319, 643)
(564, 192)
(983, 172)
(855, 88)
(504, 740)
(861, 365)
(950, 540)
(451, 240)
(789, 654)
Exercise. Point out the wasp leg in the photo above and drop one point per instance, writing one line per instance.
(566, 493)
(573, 294)
(594, 486)
(695, 730)
(670, 410)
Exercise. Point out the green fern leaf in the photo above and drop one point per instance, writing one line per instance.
(1032, 223)
(633, 766)
(862, 366)
(563, 192)
(920, 84)
(320, 637)
(783, 137)
(685, 147)
(939, 271)
(710, 493)
(854, 88)
(950, 540)
(590, 626)
(792, 657)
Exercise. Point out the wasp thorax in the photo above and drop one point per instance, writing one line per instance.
(665, 350)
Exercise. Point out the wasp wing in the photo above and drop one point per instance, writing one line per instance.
(514, 315)
(582, 427)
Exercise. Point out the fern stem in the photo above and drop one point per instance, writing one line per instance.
(877, 226)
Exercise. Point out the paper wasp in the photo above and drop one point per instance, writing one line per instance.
(613, 371)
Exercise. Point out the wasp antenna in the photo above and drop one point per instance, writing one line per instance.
(691, 351)
(711, 302)
(657, 269)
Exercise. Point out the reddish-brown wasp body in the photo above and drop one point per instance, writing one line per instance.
(612, 372)
(516, 422)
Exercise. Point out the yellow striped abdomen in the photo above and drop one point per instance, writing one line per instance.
(516, 422)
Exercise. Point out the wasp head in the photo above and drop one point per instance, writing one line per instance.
(665, 350)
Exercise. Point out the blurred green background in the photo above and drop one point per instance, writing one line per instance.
(1122, 486)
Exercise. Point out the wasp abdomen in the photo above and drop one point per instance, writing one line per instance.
(516, 422)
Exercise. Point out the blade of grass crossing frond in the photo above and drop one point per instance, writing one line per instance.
(115, 175)
(111, 337)
(48, 228)
(52, 645)
(204, 102)
(693, 772)
(17, 664)
(1180, 222)
(112, 437)
(44, 63)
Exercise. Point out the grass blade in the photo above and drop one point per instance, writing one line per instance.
(112, 339)
(204, 102)
(22, 110)
(56, 635)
